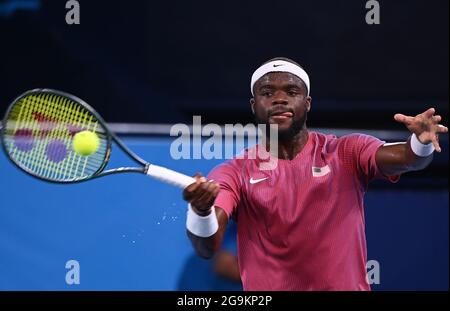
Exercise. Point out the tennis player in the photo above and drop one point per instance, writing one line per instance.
(301, 224)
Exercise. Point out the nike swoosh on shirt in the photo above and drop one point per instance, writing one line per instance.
(255, 181)
(320, 171)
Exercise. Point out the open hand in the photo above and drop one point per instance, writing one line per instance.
(425, 125)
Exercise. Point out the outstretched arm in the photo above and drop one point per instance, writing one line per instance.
(417, 152)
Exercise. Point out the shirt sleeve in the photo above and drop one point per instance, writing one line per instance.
(363, 149)
(226, 175)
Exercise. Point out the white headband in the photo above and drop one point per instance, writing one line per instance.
(280, 66)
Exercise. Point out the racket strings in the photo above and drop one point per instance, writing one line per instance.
(39, 134)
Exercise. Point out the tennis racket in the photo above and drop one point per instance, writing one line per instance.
(38, 132)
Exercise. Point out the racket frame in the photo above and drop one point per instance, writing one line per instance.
(110, 137)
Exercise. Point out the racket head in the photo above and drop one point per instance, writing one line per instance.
(38, 131)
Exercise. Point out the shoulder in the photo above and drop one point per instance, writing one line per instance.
(323, 141)
(233, 167)
(238, 166)
(225, 167)
(361, 148)
(333, 139)
(359, 140)
(322, 138)
(345, 144)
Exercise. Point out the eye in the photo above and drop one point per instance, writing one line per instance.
(266, 93)
(292, 93)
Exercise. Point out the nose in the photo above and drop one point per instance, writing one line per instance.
(280, 98)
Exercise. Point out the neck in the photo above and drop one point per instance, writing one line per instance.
(289, 148)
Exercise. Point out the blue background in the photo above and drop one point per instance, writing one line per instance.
(128, 231)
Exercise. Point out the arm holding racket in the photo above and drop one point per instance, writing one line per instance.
(203, 216)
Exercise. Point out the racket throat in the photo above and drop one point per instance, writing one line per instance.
(146, 168)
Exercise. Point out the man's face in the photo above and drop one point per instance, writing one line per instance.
(281, 98)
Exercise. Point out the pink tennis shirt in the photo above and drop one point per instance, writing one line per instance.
(301, 224)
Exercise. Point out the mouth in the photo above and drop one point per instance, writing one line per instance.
(281, 115)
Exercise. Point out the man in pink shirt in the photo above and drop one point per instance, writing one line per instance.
(301, 224)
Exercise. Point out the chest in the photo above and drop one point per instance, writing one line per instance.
(288, 183)
(294, 189)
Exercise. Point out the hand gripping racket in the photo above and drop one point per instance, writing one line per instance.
(38, 132)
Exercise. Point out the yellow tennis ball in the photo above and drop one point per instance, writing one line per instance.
(85, 143)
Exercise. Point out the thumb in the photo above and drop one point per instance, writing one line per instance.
(199, 178)
(402, 118)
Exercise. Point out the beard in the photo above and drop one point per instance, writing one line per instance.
(288, 133)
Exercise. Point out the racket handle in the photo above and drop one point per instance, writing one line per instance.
(168, 176)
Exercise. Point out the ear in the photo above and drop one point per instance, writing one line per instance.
(252, 105)
(308, 103)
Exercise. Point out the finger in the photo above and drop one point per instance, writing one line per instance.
(189, 191)
(436, 145)
(441, 129)
(199, 190)
(217, 190)
(205, 197)
(429, 113)
(195, 185)
(197, 178)
(402, 118)
(192, 187)
(200, 178)
(437, 119)
(204, 203)
(213, 190)
(435, 141)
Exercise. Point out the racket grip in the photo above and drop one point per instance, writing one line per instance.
(170, 177)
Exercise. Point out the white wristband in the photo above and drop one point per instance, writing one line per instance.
(420, 149)
(202, 226)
